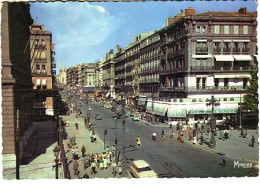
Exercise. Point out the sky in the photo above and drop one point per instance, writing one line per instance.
(85, 32)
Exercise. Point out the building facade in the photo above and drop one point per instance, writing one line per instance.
(42, 66)
(205, 55)
(17, 94)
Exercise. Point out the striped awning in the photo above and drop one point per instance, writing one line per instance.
(176, 111)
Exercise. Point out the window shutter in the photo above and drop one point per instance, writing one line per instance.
(226, 29)
(217, 29)
(245, 29)
(236, 29)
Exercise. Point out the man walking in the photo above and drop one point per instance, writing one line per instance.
(76, 153)
(253, 141)
(83, 150)
(76, 167)
(223, 158)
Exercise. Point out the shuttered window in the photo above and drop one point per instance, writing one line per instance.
(236, 29)
(216, 29)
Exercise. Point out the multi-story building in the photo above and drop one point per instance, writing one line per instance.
(17, 93)
(208, 54)
(42, 65)
(120, 71)
(149, 82)
(108, 85)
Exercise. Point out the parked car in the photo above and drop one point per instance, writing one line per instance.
(141, 169)
(89, 108)
(98, 117)
(136, 117)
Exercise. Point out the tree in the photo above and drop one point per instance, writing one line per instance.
(251, 99)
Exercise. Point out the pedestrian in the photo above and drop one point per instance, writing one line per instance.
(114, 166)
(77, 126)
(94, 137)
(242, 132)
(191, 134)
(245, 134)
(93, 167)
(105, 164)
(138, 141)
(83, 151)
(253, 141)
(123, 122)
(170, 125)
(85, 161)
(201, 139)
(101, 163)
(73, 139)
(172, 134)
(73, 153)
(119, 167)
(108, 158)
(69, 142)
(223, 159)
(76, 167)
(76, 153)
(98, 160)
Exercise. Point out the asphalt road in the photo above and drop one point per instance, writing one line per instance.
(168, 158)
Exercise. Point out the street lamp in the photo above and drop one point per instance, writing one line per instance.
(212, 102)
(115, 117)
(56, 152)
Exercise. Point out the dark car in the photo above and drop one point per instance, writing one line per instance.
(227, 125)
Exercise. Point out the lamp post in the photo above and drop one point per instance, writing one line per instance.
(115, 117)
(56, 152)
(212, 102)
(17, 139)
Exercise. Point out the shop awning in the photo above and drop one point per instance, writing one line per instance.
(201, 56)
(199, 109)
(226, 109)
(141, 101)
(176, 111)
(149, 107)
(224, 57)
(160, 109)
(242, 57)
(232, 76)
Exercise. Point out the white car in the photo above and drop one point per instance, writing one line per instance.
(89, 109)
(136, 117)
(141, 169)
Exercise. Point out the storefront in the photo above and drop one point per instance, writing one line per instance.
(176, 112)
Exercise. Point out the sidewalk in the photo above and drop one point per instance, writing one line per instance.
(83, 138)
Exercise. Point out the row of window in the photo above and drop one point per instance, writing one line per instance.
(150, 52)
(225, 29)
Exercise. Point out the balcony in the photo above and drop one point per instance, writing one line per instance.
(40, 46)
(204, 89)
(236, 50)
(201, 51)
(217, 50)
(219, 68)
(43, 72)
(226, 50)
(40, 60)
(245, 51)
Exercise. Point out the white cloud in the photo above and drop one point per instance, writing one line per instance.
(77, 27)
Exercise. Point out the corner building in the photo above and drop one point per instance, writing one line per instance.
(204, 55)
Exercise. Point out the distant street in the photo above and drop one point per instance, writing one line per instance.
(168, 157)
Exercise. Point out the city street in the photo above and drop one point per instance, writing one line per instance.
(168, 158)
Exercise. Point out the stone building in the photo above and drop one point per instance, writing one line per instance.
(42, 66)
(204, 55)
(17, 95)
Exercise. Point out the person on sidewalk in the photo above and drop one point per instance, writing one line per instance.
(77, 126)
(73, 153)
(93, 167)
(83, 151)
(101, 163)
(114, 166)
(94, 137)
(171, 133)
(73, 139)
(76, 167)
(76, 153)
(105, 163)
(85, 160)
(253, 141)
(223, 159)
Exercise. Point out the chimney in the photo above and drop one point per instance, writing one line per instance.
(242, 11)
(169, 21)
(190, 11)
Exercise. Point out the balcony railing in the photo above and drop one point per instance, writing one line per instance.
(245, 50)
(219, 68)
(40, 46)
(154, 80)
(216, 50)
(236, 50)
(201, 50)
(226, 50)
(205, 89)
(40, 60)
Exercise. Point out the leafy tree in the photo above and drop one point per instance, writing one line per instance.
(251, 99)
